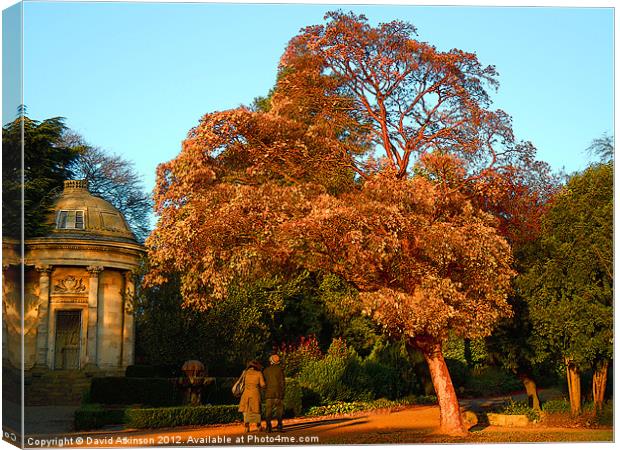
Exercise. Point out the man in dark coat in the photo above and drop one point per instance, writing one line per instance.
(274, 391)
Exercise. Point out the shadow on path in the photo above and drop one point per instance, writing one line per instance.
(348, 421)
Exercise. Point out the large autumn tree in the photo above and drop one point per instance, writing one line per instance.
(377, 158)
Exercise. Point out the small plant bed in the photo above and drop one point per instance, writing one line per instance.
(346, 408)
(557, 413)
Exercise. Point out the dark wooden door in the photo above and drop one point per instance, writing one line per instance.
(68, 331)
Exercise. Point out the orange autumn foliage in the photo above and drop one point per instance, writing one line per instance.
(378, 160)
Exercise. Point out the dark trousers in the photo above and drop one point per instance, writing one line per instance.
(274, 405)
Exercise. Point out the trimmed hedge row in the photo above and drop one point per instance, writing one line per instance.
(180, 416)
(92, 417)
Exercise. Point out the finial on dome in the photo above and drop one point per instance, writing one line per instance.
(76, 185)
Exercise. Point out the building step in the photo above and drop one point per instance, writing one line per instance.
(56, 388)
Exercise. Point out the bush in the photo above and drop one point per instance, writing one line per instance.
(382, 380)
(459, 373)
(220, 392)
(293, 396)
(129, 391)
(309, 398)
(396, 357)
(605, 417)
(490, 381)
(338, 408)
(180, 416)
(335, 378)
(556, 406)
(93, 416)
(295, 357)
(423, 400)
(520, 408)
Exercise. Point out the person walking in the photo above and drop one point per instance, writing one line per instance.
(274, 392)
(249, 404)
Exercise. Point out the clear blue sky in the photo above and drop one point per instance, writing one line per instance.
(134, 78)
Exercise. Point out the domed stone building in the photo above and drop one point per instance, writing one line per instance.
(78, 289)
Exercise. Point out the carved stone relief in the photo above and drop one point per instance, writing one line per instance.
(70, 285)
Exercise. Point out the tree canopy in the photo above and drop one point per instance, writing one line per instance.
(115, 179)
(52, 154)
(376, 159)
(46, 164)
(569, 287)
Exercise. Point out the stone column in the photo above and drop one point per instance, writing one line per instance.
(93, 296)
(43, 315)
(127, 345)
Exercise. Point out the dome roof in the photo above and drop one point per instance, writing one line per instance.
(79, 213)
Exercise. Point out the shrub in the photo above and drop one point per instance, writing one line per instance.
(424, 400)
(556, 406)
(338, 408)
(605, 417)
(220, 392)
(93, 416)
(459, 372)
(295, 357)
(182, 415)
(336, 378)
(396, 357)
(520, 408)
(309, 398)
(292, 398)
(383, 380)
(128, 391)
(491, 380)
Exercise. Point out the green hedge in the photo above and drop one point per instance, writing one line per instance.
(129, 391)
(180, 416)
(93, 416)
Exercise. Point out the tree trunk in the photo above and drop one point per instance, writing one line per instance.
(450, 419)
(599, 381)
(574, 387)
(531, 391)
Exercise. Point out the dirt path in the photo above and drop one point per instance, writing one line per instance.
(410, 425)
